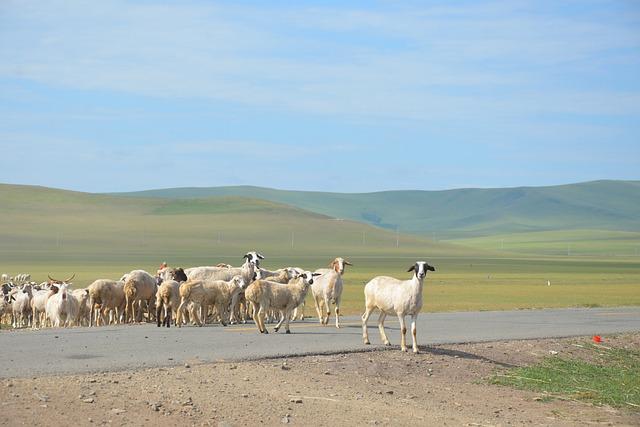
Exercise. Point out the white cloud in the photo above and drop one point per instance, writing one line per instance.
(419, 62)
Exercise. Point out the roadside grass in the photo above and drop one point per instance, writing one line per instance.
(611, 377)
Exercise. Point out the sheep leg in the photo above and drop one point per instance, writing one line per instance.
(316, 300)
(327, 307)
(383, 335)
(34, 323)
(158, 313)
(282, 315)
(414, 318)
(222, 314)
(127, 310)
(365, 319)
(338, 314)
(403, 333)
(256, 320)
(261, 315)
(179, 314)
(167, 316)
(287, 314)
(234, 304)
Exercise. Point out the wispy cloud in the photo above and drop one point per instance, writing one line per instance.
(419, 61)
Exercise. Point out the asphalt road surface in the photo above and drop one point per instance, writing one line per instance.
(28, 353)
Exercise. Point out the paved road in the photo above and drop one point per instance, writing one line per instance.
(54, 351)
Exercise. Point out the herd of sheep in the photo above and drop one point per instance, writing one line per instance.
(220, 293)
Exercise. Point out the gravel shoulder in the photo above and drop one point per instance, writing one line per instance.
(443, 385)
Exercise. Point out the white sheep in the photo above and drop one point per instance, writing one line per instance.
(399, 297)
(21, 306)
(39, 306)
(265, 295)
(327, 289)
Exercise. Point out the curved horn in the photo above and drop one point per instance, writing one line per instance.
(347, 263)
(52, 279)
(70, 278)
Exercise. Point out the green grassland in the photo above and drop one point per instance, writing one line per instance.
(45, 231)
(595, 243)
(460, 213)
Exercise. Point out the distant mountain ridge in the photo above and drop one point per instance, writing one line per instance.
(457, 213)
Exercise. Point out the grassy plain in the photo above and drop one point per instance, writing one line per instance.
(45, 231)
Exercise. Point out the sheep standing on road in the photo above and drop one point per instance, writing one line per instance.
(248, 271)
(327, 289)
(265, 295)
(21, 306)
(39, 306)
(82, 297)
(139, 288)
(167, 302)
(399, 297)
(106, 296)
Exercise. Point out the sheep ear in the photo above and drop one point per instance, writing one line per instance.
(86, 291)
(431, 268)
(260, 255)
(347, 263)
(246, 256)
(316, 274)
(413, 268)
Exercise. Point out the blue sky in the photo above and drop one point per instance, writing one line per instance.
(333, 95)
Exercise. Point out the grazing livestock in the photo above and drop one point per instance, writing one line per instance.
(399, 297)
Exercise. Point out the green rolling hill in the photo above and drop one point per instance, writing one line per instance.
(47, 224)
(461, 213)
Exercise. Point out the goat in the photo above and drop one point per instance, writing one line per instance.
(62, 307)
(399, 297)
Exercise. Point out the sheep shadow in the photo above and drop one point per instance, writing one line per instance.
(447, 352)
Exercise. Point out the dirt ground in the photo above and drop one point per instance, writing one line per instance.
(443, 385)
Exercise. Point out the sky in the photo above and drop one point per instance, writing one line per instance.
(348, 96)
